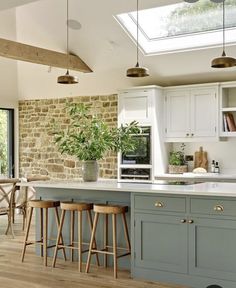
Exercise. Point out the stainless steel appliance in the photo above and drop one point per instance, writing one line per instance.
(137, 165)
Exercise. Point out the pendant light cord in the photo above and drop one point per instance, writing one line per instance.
(223, 27)
(67, 32)
(137, 42)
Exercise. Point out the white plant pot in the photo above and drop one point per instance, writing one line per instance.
(90, 170)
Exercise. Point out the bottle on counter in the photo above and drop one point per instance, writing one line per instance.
(213, 166)
(217, 168)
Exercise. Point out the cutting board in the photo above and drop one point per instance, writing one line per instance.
(200, 159)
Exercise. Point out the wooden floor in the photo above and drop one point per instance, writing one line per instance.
(33, 274)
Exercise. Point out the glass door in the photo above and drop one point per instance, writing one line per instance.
(6, 142)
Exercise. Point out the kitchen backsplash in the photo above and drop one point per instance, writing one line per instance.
(223, 152)
(38, 154)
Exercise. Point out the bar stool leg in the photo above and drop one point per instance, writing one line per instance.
(58, 237)
(45, 236)
(27, 233)
(114, 244)
(126, 232)
(61, 238)
(91, 229)
(95, 221)
(80, 240)
(105, 238)
(72, 234)
(41, 231)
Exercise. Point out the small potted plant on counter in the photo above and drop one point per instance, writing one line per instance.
(177, 163)
(88, 138)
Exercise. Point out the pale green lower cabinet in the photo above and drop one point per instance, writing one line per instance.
(212, 250)
(160, 242)
(192, 249)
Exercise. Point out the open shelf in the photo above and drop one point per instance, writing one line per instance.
(227, 106)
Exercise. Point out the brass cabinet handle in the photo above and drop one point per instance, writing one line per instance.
(192, 134)
(190, 221)
(183, 220)
(159, 204)
(219, 208)
(187, 134)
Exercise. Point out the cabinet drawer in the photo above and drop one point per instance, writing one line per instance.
(160, 203)
(213, 206)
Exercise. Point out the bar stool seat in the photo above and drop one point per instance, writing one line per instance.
(43, 205)
(107, 210)
(72, 207)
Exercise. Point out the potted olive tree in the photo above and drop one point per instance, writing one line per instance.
(88, 138)
(177, 163)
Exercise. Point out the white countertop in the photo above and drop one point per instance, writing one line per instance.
(200, 189)
(217, 177)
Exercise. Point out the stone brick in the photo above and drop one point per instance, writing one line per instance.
(55, 168)
(69, 163)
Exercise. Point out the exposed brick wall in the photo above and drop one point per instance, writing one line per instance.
(38, 152)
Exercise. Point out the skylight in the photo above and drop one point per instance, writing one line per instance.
(182, 26)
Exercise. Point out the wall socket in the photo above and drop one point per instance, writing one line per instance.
(188, 157)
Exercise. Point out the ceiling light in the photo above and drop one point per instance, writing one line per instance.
(137, 71)
(67, 78)
(223, 61)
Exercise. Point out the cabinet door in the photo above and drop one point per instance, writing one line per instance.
(212, 250)
(177, 113)
(135, 105)
(160, 242)
(203, 112)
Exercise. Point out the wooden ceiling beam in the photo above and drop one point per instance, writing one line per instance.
(28, 53)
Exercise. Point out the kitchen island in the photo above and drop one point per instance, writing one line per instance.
(183, 234)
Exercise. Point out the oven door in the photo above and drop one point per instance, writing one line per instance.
(142, 153)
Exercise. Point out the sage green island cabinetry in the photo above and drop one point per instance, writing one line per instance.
(180, 234)
(184, 240)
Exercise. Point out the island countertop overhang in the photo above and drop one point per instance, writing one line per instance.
(213, 189)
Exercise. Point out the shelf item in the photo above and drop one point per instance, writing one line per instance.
(228, 109)
(230, 122)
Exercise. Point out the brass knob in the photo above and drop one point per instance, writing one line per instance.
(219, 208)
(187, 134)
(159, 204)
(190, 221)
(192, 134)
(183, 220)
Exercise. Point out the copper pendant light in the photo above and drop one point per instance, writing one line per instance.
(223, 61)
(137, 71)
(194, 1)
(67, 78)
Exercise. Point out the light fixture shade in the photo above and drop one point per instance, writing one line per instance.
(190, 1)
(67, 79)
(223, 62)
(194, 1)
(137, 71)
(217, 1)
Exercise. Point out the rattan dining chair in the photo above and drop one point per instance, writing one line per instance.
(7, 195)
(26, 194)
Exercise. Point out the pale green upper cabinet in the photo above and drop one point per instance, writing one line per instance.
(191, 114)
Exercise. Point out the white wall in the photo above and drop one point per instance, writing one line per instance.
(8, 67)
(224, 152)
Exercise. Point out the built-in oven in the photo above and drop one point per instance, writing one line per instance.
(142, 152)
(136, 165)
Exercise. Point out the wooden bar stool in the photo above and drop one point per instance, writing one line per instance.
(43, 205)
(109, 210)
(73, 207)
